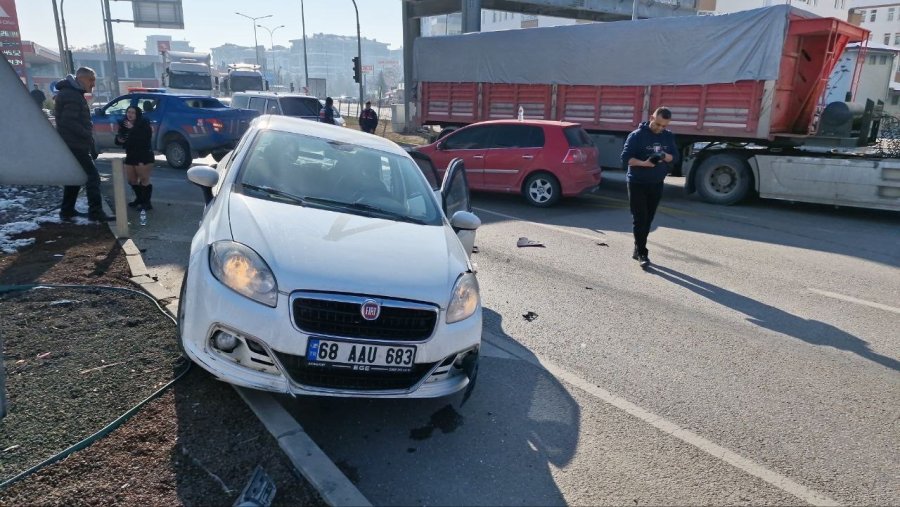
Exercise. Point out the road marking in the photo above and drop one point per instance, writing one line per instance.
(545, 226)
(852, 299)
(689, 437)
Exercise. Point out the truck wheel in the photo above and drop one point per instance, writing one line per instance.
(723, 179)
(178, 153)
(542, 190)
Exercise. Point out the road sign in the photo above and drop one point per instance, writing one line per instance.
(368, 69)
(158, 14)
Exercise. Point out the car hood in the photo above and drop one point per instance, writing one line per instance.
(315, 249)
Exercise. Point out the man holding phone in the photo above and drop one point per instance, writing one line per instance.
(649, 153)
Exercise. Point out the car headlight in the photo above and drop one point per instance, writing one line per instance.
(242, 270)
(464, 299)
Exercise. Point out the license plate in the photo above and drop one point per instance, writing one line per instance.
(360, 356)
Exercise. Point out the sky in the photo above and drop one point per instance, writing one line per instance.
(211, 23)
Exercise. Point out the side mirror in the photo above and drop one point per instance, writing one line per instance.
(465, 221)
(206, 178)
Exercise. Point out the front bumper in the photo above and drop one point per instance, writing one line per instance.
(271, 350)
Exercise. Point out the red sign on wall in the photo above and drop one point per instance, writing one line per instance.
(10, 39)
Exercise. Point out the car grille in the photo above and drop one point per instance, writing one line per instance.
(344, 378)
(330, 317)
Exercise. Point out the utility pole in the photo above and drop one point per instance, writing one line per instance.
(62, 49)
(634, 9)
(359, 55)
(305, 66)
(111, 51)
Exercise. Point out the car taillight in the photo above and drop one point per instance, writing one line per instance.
(217, 125)
(575, 156)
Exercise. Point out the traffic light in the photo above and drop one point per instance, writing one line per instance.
(357, 74)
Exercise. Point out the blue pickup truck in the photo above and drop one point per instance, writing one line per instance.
(184, 126)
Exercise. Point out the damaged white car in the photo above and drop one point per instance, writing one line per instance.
(325, 264)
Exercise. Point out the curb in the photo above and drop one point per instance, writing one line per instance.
(305, 455)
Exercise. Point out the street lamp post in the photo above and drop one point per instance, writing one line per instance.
(255, 41)
(359, 55)
(272, 45)
(305, 66)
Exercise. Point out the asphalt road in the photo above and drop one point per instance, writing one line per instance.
(757, 362)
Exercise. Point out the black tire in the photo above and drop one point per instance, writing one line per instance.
(179, 318)
(542, 190)
(724, 179)
(178, 153)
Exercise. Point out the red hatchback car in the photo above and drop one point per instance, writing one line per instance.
(543, 160)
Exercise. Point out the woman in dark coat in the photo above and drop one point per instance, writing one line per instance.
(135, 135)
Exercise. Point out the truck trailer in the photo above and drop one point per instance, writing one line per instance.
(242, 77)
(744, 89)
(189, 73)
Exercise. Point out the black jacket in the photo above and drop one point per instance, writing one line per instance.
(73, 116)
(137, 140)
(368, 120)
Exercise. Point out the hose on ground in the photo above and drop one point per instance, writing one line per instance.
(106, 430)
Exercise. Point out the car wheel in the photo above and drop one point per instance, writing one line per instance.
(178, 153)
(542, 190)
(179, 318)
(723, 179)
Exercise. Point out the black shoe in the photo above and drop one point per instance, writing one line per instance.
(644, 260)
(102, 217)
(634, 254)
(69, 216)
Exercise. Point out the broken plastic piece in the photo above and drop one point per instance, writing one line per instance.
(530, 316)
(601, 243)
(259, 492)
(523, 241)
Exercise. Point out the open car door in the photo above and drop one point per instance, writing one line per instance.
(453, 193)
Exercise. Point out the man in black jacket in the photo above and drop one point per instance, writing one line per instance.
(73, 122)
(649, 153)
(368, 119)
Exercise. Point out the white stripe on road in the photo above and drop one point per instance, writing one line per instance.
(852, 299)
(545, 226)
(689, 437)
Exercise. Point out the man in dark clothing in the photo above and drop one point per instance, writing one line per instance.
(326, 114)
(368, 119)
(649, 152)
(73, 122)
(38, 96)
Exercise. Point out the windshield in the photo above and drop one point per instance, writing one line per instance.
(310, 171)
(297, 106)
(189, 81)
(244, 83)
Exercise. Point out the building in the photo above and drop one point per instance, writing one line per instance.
(43, 66)
(133, 70)
(331, 57)
(156, 43)
(882, 20)
(826, 8)
(876, 76)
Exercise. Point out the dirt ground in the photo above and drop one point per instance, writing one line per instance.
(196, 444)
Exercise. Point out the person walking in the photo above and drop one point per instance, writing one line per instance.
(136, 135)
(368, 119)
(326, 114)
(649, 153)
(73, 122)
(38, 96)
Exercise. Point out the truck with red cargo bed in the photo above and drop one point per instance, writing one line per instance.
(746, 86)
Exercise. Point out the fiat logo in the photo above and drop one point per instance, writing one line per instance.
(370, 309)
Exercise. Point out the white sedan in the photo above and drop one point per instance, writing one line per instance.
(325, 264)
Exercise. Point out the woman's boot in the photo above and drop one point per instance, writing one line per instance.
(138, 196)
(147, 193)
